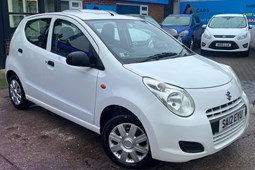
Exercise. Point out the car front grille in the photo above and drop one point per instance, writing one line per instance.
(234, 46)
(224, 36)
(217, 113)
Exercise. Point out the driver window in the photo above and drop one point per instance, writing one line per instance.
(68, 38)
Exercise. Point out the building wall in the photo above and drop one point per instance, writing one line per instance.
(155, 10)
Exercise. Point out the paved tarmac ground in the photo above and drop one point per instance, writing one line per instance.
(37, 139)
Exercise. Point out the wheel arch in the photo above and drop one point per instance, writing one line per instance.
(112, 111)
(9, 74)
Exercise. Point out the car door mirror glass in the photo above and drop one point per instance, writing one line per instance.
(204, 26)
(78, 58)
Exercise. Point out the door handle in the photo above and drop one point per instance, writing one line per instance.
(50, 63)
(20, 50)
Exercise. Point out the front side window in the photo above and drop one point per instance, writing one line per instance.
(68, 38)
(176, 21)
(133, 41)
(37, 31)
(228, 22)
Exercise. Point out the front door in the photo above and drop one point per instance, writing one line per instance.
(71, 89)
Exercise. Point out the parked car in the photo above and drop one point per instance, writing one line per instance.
(153, 21)
(188, 27)
(127, 80)
(227, 33)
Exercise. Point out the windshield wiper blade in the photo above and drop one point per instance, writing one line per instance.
(160, 56)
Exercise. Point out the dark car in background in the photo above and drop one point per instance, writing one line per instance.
(188, 27)
(153, 21)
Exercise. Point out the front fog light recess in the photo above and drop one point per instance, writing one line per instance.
(177, 100)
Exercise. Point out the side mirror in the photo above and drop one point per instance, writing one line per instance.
(250, 26)
(204, 26)
(78, 58)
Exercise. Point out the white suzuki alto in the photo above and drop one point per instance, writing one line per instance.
(148, 95)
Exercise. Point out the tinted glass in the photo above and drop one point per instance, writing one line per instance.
(68, 38)
(228, 22)
(176, 21)
(153, 21)
(134, 40)
(37, 32)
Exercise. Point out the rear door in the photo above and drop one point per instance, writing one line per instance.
(70, 89)
(31, 56)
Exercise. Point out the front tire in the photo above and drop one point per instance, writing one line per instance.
(17, 93)
(246, 53)
(203, 52)
(125, 142)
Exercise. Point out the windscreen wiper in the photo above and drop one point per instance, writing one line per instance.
(160, 56)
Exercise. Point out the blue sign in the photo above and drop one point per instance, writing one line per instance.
(152, 1)
(207, 8)
(100, 7)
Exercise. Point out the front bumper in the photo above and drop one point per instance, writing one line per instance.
(227, 44)
(168, 130)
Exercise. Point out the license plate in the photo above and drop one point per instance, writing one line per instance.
(223, 45)
(231, 120)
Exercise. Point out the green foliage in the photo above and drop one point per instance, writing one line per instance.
(3, 83)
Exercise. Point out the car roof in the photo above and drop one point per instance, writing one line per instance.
(229, 15)
(87, 14)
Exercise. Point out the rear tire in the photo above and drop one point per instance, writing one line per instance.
(125, 142)
(17, 93)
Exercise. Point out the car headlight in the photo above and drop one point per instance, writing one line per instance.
(207, 35)
(232, 72)
(184, 33)
(242, 36)
(177, 100)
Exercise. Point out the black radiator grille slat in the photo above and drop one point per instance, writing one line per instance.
(224, 36)
(215, 114)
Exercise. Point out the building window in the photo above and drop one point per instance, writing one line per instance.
(49, 5)
(18, 9)
(64, 5)
(68, 4)
(76, 4)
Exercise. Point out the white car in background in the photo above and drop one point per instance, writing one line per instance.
(227, 33)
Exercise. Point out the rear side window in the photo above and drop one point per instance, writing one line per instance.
(68, 38)
(37, 31)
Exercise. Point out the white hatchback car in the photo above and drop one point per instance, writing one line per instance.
(128, 80)
(227, 33)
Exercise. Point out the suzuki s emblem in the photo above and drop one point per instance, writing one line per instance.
(228, 96)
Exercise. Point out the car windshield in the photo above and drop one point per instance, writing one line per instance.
(133, 41)
(176, 21)
(228, 22)
(151, 20)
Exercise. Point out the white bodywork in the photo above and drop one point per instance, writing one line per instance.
(228, 35)
(75, 93)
